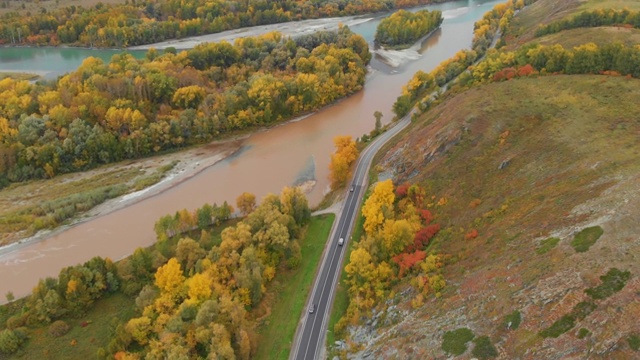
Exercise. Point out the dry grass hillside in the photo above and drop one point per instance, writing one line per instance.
(546, 171)
(598, 35)
(522, 162)
(543, 12)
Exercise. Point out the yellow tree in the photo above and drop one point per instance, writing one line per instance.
(346, 153)
(378, 207)
(397, 236)
(199, 288)
(169, 277)
(244, 345)
(246, 203)
(189, 96)
(139, 329)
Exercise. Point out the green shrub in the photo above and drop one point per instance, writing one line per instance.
(58, 328)
(483, 348)
(582, 333)
(561, 326)
(582, 309)
(17, 321)
(634, 342)
(9, 341)
(612, 282)
(568, 321)
(512, 321)
(455, 342)
(583, 240)
(547, 244)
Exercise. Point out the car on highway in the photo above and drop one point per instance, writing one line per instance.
(353, 187)
(312, 308)
(341, 242)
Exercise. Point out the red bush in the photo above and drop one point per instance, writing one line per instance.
(471, 234)
(426, 215)
(526, 70)
(401, 190)
(423, 236)
(406, 261)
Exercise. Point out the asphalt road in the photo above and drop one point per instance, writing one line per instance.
(310, 336)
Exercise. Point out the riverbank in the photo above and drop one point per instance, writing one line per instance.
(396, 57)
(292, 29)
(188, 164)
(16, 75)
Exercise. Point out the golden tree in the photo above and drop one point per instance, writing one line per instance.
(341, 161)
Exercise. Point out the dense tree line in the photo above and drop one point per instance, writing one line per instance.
(611, 59)
(403, 28)
(193, 295)
(130, 108)
(148, 21)
(397, 229)
(599, 17)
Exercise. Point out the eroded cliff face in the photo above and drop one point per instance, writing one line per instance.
(529, 164)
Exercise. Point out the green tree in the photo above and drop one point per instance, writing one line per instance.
(378, 115)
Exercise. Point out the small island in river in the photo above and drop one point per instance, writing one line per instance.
(403, 28)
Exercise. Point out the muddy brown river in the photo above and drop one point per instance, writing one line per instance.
(268, 160)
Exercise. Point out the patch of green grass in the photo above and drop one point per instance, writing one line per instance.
(612, 282)
(583, 240)
(582, 333)
(547, 244)
(455, 342)
(290, 290)
(512, 321)
(483, 348)
(568, 321)
(582, 309)
(559, 327)
(96, 334)
(634, 342)
(152, 179)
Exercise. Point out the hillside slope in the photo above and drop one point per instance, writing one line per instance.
(539, 187)
(523, 161)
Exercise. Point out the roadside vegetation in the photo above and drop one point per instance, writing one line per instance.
(284, 301)
(403, 28)
(397, 229)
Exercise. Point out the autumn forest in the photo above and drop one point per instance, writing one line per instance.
(131, 108)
